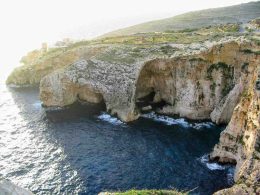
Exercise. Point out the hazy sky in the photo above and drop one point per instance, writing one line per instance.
(25, 24)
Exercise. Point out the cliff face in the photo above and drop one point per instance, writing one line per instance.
(218, 81)
(43, 63)
(195, 86)
(92, 81)
(202, 85)
(240, 142)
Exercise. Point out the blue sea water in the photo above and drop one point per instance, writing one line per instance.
(79, 150)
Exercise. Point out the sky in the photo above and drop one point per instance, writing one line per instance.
(25, 24)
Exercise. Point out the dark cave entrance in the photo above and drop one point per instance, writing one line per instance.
(79, 109)
(147, 103)
(155, 87)
(89, 103)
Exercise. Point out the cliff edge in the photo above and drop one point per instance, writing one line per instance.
(216, 80)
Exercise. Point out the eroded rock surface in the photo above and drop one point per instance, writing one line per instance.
(202, 85)
(92, 81)
(240, 141)
(215, 80)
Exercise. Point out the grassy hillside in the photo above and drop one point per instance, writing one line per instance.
(183, 36)
(127, 49)
(197, 19)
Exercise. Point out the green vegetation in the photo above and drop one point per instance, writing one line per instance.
(167, 50)
(245, 67)
(188, 30)
(227, 88)
(249, 29)
(130, 49)
(255, 39)
(226, 70)
(212, 88)
(189, 21)
(255, 156)
(240, 140)
(136, 46)
(196, 59)
(201, 97)
(150, 192)
(249, 51)
(245, 93)
(184, 36)
(230, 137)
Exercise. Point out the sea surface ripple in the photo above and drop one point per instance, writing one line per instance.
(75, 151)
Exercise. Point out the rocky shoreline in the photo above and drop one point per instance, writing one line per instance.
(9, 188)
(211, 80)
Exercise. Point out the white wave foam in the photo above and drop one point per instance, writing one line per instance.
(53, 108)
(18, 86)
(108, 118)
(215, 166)
(37, 105)
(202, 125)
(167, 120)
(212, 166)
(180, 121)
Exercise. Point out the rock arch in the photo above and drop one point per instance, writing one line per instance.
(59, 89)
(196, 86)
(192, 85)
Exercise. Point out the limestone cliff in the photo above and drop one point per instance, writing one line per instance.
(201, 85)
(211, 80)
(38, 64)
(240, 142)
(220, 83)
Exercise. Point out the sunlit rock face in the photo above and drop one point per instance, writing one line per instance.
(205, 85)
(38, 64)
(58, 90)
(33, 73)
(240, 142)
(94, 82)
(64, 88)
(190, 86)
(220, 82)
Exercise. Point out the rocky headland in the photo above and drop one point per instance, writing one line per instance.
(9, 188)
(215, 80)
